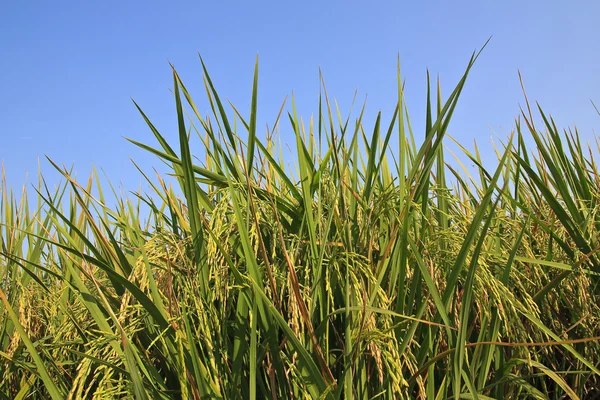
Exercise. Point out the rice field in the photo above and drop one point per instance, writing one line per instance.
(363, 272)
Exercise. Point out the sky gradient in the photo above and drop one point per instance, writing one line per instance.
(70, 69)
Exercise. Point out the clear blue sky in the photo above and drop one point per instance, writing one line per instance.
(69, 68)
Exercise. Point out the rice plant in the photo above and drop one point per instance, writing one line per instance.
(364, 271)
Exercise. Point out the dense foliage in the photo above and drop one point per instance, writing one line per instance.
(363, 272)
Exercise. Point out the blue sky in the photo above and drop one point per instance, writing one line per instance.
(70, 68)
